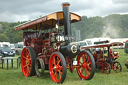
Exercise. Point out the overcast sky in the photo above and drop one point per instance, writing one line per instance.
(21, 10)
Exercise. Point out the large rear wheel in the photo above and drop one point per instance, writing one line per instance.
(106, 68)
(57, 67)
(87, 65)
(28, 57)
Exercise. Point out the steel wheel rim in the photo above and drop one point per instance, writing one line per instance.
(26, 62)
(85, 68)
(55, 68)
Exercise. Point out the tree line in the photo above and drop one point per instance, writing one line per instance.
(114, 26)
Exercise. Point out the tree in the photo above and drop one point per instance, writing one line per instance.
(4, 38)
(1, 28)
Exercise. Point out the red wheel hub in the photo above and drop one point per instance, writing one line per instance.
(84, 65)
(57, 67)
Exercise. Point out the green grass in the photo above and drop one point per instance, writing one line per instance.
(14, 76)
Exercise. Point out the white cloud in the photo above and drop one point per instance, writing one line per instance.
(16, 10)
(6, 16)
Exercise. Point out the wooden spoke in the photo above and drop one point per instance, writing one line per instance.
(58, 62)
(56, 75)
(89, 68)
(25, 65)
(60, 73)
(86, 72)
(60, 67)
(88, 60)
(82, 70)
(24, 57)
(83, 56)
(54, 62)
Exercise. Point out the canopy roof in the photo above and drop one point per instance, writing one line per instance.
(47, 22)
(102, 45)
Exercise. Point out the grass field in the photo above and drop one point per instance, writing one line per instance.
(14, 76)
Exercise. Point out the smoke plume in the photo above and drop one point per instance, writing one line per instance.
(110, 31)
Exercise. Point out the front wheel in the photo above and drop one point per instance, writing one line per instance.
(57, 67)
(117, 67)
(87, 65)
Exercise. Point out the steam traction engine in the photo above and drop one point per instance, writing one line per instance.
(105, 57)
(49, 47)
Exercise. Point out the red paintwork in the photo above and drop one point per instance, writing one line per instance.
(85, 64)
(98, 55)
(125, 44)
(105, 68)
(45, 45)
(44, 50)
(26, 62)
(55, 68)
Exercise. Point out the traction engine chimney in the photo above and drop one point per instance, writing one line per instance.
(67, 21)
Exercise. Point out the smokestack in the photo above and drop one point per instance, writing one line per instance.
(67, 23)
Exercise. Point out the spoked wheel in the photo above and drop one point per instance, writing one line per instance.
(117, 67)
(57, 67)
(39, 70)
(106, 68)
(28, 57)
(87, 65)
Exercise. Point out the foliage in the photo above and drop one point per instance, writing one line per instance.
(3, 38)
(8, 34)
(114, 26)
